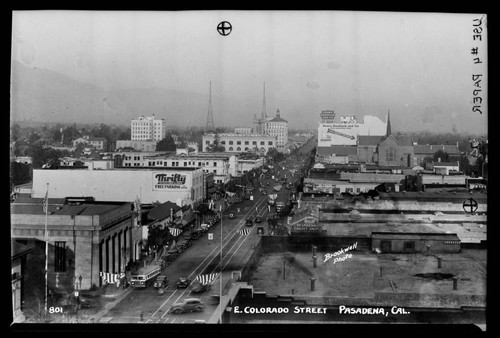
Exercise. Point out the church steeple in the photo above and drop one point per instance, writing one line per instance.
(388, 131)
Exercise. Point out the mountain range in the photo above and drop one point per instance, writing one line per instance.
(43, 95)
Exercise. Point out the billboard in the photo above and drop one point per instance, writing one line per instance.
(168, 181)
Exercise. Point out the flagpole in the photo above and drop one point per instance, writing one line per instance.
(46, 246)
(220, 297)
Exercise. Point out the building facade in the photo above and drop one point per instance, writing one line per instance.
(99, 143)
(135, 158)
(238, 143)
(87, 239)
(136, 145)
(147, 128)
(278, 127)
(150, 184)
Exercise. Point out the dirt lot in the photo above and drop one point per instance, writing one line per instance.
(359, 275)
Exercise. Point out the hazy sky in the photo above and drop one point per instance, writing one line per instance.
(417, 65)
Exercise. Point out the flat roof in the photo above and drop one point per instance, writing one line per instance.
(415, 235)
(84, 208)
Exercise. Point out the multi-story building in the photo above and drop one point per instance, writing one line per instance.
(278, 127)
(136, 145)
(222, 165)
(180, 185)
(86, 238)
(146, 128)
(237, 143)
(135, 158)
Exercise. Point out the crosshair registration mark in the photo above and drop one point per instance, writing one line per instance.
(470, 205)
(224, 28)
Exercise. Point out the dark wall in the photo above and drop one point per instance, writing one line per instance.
(305, 243)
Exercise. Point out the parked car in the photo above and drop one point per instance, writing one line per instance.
(188, 305)
(196, 234)
(183, 282)
(258, 219)
(248, 222)
(161, 281)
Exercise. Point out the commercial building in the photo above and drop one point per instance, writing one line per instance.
(86, 238)
(139, 145)
(426, 151)
(407, 242)
(243, 130)
(135, 158)
(222, 165)
(150, 184)
(147, 128)
(19, 253)
(350, 182)
(237, 143)
(278, 127)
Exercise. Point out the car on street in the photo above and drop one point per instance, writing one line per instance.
(199, 288)
(161, 281)
(248, 222)
(183, 282)
(258, 219)
(188, 305)
(196, 234)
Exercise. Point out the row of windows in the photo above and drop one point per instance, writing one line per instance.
(270, 143)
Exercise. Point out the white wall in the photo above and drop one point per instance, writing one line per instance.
(115, 185)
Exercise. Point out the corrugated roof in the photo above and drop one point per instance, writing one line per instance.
(337, 150)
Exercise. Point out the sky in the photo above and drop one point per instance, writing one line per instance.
(418, 66)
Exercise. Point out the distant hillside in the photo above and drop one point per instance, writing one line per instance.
(42, 95)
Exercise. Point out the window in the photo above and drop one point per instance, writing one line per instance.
(215, 164)
(254, 143)
(223, 142)
(199, 164)
(238, 149)
(246, 148)
(60, 256)
(207, 142)
(230, 142)
(262, 143)
(230, 148)
(238, 142)
(246, 143)
(409, 245)
(348, 189)
(185, 164)
(270, 143)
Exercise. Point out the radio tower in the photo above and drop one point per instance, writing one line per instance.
(263, 117)
(210, 118)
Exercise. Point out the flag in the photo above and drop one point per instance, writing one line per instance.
(244, 232)
(175, 231)
(207, 279)
(45, 203)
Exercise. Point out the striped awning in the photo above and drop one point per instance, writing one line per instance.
(207, 279)
(175, 231)
(244, 232)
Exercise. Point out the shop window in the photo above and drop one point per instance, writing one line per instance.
(60, 256)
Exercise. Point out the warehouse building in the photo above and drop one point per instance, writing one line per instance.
(406, 242)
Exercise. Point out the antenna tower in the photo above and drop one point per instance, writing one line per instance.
(210, 117)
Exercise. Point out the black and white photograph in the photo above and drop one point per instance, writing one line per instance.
(248, 167)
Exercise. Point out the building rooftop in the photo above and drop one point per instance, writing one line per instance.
(432, 148)
(415, 235)
(17, 249)
(164, 210)
(84, 208)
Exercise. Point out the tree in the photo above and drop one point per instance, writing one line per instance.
(20, 173)
(216, 146)
(444, 156)
(166, 144)
(464, 164)
(125, 135)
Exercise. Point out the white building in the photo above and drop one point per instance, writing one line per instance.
(237, 143)
(344, 130)
(222, 165)
(278, 127)
(146, 128)
(134, 158)
(178, 185)
(98, 143)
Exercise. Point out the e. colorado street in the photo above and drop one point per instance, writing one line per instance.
(297, 309)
